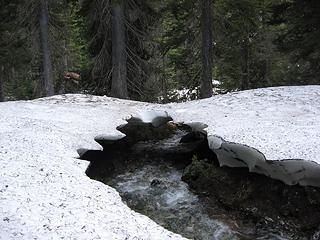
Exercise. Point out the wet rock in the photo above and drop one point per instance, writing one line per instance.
(139, 202)
(157, 183)
(139, 131)
(193, 137)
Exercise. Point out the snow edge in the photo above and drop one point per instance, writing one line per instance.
(289, 171)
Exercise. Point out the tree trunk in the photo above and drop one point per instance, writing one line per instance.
(245, 66)
(1, 85)
(207, 49)
(267, 81)
(47, 81)
(164, 89)
(12, 76)
(119, 55)
(61, 83)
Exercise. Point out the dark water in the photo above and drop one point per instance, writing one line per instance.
(158, 192)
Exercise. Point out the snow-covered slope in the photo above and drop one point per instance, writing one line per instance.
(246, 128)
(45, 194)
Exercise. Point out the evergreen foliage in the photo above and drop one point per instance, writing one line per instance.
(255, 44)
(299, 38)
(138, 17)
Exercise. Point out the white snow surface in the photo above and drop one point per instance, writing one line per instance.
(45, 194)
(281, 123)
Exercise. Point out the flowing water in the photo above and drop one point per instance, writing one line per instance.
(158, 192)
(147, 173)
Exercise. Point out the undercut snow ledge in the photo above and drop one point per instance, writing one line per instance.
(289, 171)
(281, 124)
(44, 192)
(230, 154)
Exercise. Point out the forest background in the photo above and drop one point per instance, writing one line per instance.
(144, 50)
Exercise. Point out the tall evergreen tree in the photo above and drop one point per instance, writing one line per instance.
(207, 49)
(1, 85)
(119, 45)
(48, 33)
(7, 16)
(47, 76)
(300, 24)
(14, 56)
(119, 56)
(179, 39)
(243, 44)
(141, 49)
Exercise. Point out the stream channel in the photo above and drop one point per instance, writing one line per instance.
(158, 192)
(147, 167)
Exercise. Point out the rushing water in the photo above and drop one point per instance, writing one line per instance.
(159, 192)
(151, 184)
(145, 167)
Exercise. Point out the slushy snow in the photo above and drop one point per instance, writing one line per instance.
(45, 194)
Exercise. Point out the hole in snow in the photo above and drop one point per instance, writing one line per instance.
(167, 171)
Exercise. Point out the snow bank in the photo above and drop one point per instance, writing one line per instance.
(291, 171)
(247, 128)
(156, 118)
(45, 193)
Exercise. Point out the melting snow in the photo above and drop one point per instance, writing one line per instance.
(45, 194)
(248, 128)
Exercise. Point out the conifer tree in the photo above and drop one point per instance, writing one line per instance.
(300, 24)
(207, 49)
(119, 45)
(47, 75)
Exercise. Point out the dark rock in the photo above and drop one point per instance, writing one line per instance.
(193, 137)
(157, 183)
(140, 131)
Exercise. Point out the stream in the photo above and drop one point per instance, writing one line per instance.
(159, 193)
(169, 173)
(156, 190)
